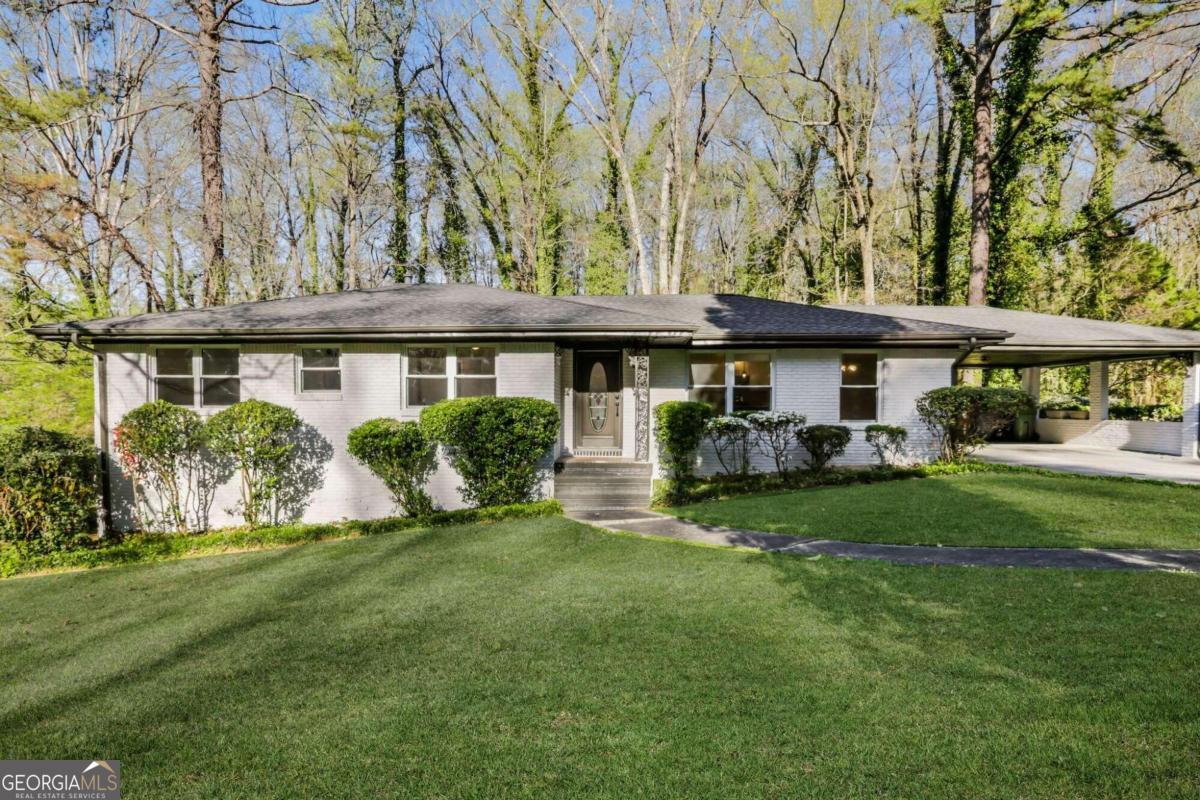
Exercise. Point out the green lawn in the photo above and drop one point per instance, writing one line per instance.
(543, 658)
(991, 509)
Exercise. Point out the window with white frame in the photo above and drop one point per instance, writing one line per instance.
(442, 372)
(730, 381)
(475, 371)
(320, 370)
(428, 378)
(197, 376)
(860, 387)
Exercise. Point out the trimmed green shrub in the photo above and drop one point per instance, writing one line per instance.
(47, 488)
(401, 456)
(730, 437)
(962, 417)
(258, 437)
(888, 441)
(774, 433)
(496, 444)
(159, 447)
(1157, 412)
(679, 429)
(824, 443)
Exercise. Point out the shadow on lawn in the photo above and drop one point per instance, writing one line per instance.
(223, 634)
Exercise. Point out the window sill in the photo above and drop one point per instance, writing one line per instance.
(318, 395)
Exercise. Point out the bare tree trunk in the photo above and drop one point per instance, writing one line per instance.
(664, 224)
(981, 176)
(212, 178)
(398, 238)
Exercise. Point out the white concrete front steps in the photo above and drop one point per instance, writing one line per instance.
(587, 484)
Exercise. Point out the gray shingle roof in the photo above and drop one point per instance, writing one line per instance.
(1031, 329)
(469, 310)
(734, 316)
(401, 309)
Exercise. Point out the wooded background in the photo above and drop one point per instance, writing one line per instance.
(164, 154)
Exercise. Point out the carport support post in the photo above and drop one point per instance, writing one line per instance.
(1098, 391)
(1031, 383)
(1191, 408)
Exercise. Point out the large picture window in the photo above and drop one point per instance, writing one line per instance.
(320, 369)
(197, 376)
(442, 372)
(730, 381)
(860, 387)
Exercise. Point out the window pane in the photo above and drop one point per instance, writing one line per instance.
(476, 360)
(221, 391)
(426, 391)
(320, 380)
(757, 399)
(427, 361)
(858, 403)
(320, 357)
(715, 397)
(476, 387)
(174, 361)
(708, 369)
(175, 390)
(219, 361)
(753, 370)
(858, 369)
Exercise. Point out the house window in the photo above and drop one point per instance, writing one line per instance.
(438, 373)
(707, 371)
(731, 382)
(860, 386)
(475, 372)
(320, 369)
(197, 376)
(751, 382)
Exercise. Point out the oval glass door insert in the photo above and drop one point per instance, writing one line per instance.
(598, 397)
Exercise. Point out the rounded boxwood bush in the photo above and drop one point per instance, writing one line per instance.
(401, 456)
(47, 488)
(679, 429)
(159, 445)
(824, 443)
(495, 444)
(258, 437)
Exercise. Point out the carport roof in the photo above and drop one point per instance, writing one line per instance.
(1049, 339)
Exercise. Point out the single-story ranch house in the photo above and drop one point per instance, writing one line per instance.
(606, 362)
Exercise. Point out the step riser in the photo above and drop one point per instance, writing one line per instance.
(612, 483)
(586, 472)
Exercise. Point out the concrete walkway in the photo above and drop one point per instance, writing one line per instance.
(649, 523)
(1094, 461)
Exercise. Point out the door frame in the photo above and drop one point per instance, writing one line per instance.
(576, 382)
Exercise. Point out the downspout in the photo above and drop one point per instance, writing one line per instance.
(100, 394)
(971, 347)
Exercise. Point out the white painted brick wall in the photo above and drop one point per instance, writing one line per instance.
(809, 382)
(371, 387)
(1143, 436)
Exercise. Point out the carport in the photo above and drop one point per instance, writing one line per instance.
(1040, 341)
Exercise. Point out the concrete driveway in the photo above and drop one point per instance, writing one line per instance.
(1094, 461)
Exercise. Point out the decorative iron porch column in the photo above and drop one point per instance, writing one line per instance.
(639, 359)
